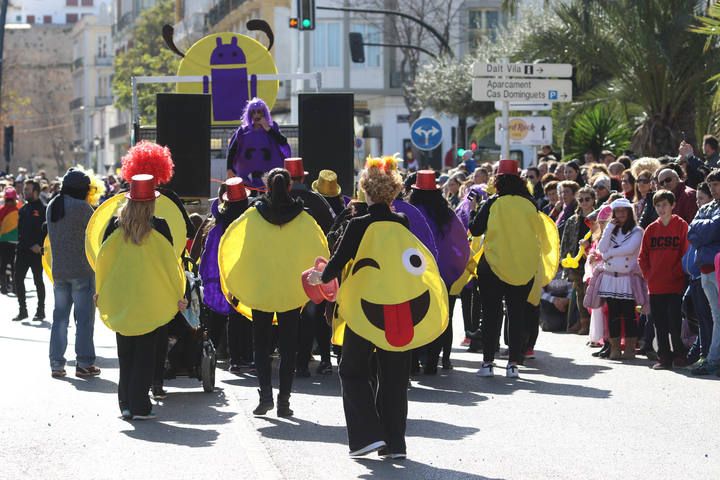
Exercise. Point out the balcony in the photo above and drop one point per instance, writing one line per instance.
(103, 61)
(76, 103)
(77, 64)
(221, 10)
(103, 101)
(118, 131)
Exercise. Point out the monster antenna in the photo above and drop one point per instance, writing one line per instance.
(167, 33)
(262, 26)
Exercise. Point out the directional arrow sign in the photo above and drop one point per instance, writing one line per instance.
(521, 90)
(525, 130)
(523, 70)
(525, 106)
(426, 133)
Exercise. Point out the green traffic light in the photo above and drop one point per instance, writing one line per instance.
(306, 23)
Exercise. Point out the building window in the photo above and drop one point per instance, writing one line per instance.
(483, 22)
(71, 18)
(326, 45)
(371, 34)
(47, 18)
(86, 3)
(102, 46)
(71, 3)
(31, 19)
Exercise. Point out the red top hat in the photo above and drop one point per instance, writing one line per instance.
(425, 180)
(235, 190)
(142, 188)
(508, 167)
(294, 165)
(10, 193)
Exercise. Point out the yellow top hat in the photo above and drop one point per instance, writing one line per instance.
(327, 184)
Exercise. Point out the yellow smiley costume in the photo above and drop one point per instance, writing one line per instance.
(393, 295)
(261, 264)
(164, 208)
(138, 286)
(518, 259)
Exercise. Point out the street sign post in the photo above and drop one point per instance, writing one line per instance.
(426, 133)
(522, 90)
(523, 70)
(524, 130)
(521, 86)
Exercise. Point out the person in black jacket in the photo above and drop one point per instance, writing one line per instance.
(29, 249)
(371, 427)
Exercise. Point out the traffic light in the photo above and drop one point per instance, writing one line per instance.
(306, 14)
(294, 23)
(357, 49)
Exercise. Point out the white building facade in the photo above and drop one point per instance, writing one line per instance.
(52, 11)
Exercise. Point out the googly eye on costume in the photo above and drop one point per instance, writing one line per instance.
(414, 261)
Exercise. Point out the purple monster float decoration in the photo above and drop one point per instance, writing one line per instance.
(229, 85)
(257, 146)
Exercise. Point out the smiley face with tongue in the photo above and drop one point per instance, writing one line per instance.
(393, 295)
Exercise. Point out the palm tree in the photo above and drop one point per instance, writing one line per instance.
(640, 53)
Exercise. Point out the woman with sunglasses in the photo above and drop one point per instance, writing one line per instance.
(643, 193)
(627, 183)
(575, 231)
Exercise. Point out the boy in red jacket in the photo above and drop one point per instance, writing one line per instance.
(663, 246)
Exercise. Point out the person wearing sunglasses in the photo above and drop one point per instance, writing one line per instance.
(643, 188)
(575, 230)
(686, 204)
(601, 185)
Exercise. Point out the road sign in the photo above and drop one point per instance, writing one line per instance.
(525, 106)
(525, 130)
(523, 70)
(521, 90)
(426, 133)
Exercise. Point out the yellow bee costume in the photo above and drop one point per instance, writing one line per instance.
(269, 282)
(400, 302)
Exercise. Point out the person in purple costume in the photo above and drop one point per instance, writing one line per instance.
(257, 146)
(453, 253)
(234, 203)
(418, 224)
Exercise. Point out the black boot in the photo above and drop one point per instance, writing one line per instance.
(283, 406)
(266, 402)
(476, 335)
(39, 313)
(22, 315)
(604, 352)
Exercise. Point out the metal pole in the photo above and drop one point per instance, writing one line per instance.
(3, 17)
(505, 150)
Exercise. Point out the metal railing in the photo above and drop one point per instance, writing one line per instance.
(103, 101)
(103, 61)
(118, 131)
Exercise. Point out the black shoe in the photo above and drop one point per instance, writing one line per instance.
(447, 364)
(21, 316)
(39, 315)
(476, 335)
(604, 352)
(158, 392)
(325, 368)
(430, 370)
(266, 404)
(302, 373)
(283, 406)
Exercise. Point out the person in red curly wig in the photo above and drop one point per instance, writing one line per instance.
(156, 160)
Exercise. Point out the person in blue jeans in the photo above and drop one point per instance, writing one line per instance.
(74, 281)
(704, 235)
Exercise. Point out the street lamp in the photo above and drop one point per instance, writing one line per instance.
(96, 144)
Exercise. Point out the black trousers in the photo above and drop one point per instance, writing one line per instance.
(240, 341)
(313, 326)
(7, 263)
(620, 311)
(470, 301)
(136, 356)
(494, 291)
(161, 350)
(532, 325)
(26, 260)
(443, 342)
(374, 389)
(263, 341)
(666, 312)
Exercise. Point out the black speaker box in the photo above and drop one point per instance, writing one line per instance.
(183, 125)
(326, 135)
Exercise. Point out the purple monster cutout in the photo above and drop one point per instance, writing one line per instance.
(418, 225)
(465, 207)
(210, 272)
(229, 85)
(453, 247)
(257, 151)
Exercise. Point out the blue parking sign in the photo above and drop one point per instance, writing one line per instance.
(553, 95)
(426, 133)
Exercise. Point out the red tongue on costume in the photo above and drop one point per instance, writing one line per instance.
(399, 328)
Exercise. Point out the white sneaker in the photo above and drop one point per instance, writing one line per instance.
(486, 370)
(373, 447)
(149, 416)
(512, 371)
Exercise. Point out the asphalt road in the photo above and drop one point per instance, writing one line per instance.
(569, 416)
